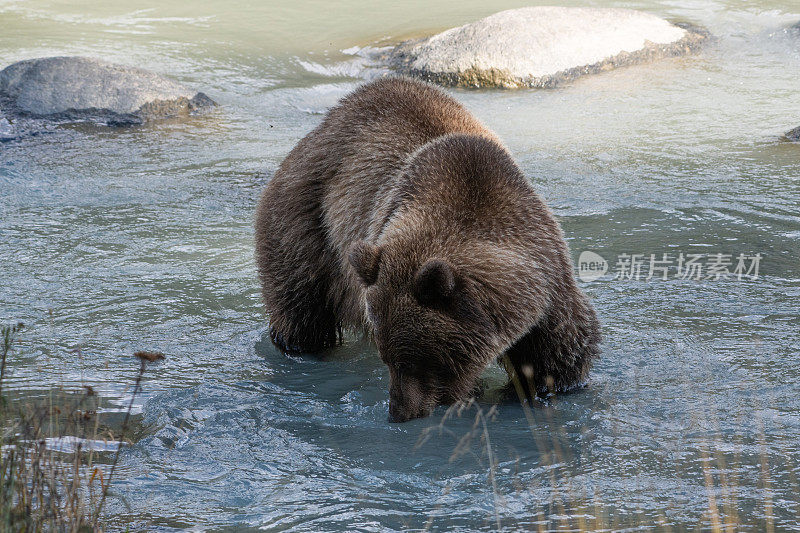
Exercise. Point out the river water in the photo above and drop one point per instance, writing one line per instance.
(115, 240)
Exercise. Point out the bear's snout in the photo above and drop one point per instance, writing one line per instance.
(407, 399)
(401, 413)
(397, 414)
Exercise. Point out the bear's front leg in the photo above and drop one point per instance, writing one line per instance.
(301, 320)
(296, 267)
(290, 336)
(557, 353)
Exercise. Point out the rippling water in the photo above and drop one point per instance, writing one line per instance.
(117, 240)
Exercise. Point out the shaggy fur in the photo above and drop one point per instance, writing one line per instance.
(403, 214)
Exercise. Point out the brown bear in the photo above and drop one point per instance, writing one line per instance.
(402, 214)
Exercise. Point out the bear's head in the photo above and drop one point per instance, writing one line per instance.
(431, 324)
(458, 270)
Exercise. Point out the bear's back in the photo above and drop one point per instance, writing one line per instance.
(370, 136)
(403, 107)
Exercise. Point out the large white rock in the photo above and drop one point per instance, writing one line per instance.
(85, 86)
(542, 46)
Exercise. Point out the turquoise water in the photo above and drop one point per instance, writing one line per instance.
(119, 240)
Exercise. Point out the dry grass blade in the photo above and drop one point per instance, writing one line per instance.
(48, 477)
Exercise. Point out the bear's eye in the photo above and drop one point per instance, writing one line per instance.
(405, 367)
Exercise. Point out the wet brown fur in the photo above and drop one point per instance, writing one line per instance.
(404, 215)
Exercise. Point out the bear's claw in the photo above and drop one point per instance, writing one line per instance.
(279, 341)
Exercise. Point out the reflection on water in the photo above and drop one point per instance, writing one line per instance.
(119, 240)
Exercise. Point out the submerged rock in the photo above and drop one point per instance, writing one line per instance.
(76, 87)
(6, 131)
(542, 46)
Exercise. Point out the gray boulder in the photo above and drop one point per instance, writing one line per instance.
(77, 87)
(793, 135)
(542, 46)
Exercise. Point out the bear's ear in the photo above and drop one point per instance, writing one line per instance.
(365, 258)
(434, 282)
